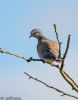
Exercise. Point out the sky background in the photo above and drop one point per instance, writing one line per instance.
(17, 19)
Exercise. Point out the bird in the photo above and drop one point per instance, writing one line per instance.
(48, 50)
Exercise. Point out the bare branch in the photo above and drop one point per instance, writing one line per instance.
(56, 33)
(28, 60)
(57, 37)
(18, 56)
(63, 73)
(67, 47)
(51, 87)
(69, 80)
(66, 50)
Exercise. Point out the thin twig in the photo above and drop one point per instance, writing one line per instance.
(56, 33)
(67, 47)
(66, 51)
(52, 87)
(57, 37)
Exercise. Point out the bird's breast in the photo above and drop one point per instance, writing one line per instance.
(40, 49)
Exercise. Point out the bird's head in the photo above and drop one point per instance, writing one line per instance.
(37, 33)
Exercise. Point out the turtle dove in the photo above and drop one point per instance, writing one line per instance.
(47, 49)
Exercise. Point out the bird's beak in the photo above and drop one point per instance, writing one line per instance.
(30, 36)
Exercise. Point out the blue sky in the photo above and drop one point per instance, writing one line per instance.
(17, 19)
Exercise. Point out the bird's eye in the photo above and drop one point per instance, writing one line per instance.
(37, 33)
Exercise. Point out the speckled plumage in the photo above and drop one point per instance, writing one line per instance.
(47, 49)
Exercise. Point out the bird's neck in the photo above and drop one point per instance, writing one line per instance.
(40, 38)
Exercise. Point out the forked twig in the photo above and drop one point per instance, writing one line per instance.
(63, 73)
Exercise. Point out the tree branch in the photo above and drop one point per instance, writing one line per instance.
(57, 37)
(67, 47)
(66, 51)
(64, 74)
(51, 87)
(23, 58)
(18, 56)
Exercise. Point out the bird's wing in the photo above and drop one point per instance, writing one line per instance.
(48, 49)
